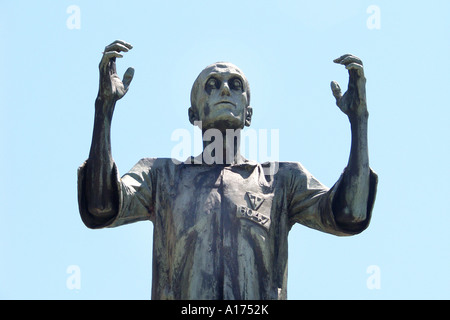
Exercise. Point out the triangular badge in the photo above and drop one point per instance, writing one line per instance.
(255, 201)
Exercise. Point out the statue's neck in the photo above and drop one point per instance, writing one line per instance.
(222, 146)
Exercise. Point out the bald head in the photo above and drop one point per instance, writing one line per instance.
(214, 69)
(221, 93)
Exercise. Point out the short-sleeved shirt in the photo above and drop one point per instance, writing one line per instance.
(221, 232)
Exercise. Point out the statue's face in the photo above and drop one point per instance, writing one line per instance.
(221, 97)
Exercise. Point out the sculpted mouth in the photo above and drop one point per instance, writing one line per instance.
(225, 102)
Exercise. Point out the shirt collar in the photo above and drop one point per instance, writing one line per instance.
(241, 163)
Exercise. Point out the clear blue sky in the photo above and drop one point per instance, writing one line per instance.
(50, 80)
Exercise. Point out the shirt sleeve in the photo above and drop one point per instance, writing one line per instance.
(133, 194)
(311, 203)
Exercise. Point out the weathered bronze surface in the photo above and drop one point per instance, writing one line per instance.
(221, 222)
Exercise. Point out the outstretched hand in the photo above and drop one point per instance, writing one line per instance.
(112, 88)
(353, 102)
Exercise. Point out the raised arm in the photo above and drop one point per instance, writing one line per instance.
(350, 205)
(99, 183)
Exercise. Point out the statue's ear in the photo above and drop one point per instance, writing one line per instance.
(193, 115)
(248, 116)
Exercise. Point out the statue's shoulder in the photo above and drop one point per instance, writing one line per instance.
(292, 166)
(146, 162)
(154, 163)
(284, 172)
(284, 167)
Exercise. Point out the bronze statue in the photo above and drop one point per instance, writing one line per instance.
(221, 227)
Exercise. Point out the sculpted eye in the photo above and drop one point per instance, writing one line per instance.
(211, 84)
(236, 84)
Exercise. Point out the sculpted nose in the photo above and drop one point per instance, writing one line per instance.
(225, 90)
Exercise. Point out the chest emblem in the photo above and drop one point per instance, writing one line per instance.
(261, 218)
(255, 200)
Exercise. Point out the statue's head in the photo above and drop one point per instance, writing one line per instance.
(220, 98)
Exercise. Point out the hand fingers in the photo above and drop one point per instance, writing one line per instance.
(337, 93)
(127, 77)
(355, 66)
(113, 50)
(112, 54)
(351, 62)
(336, 89)
(107, 56)
(122, 43)
(347, 59)
(338, 60)
(351, 59)
(117, 47)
